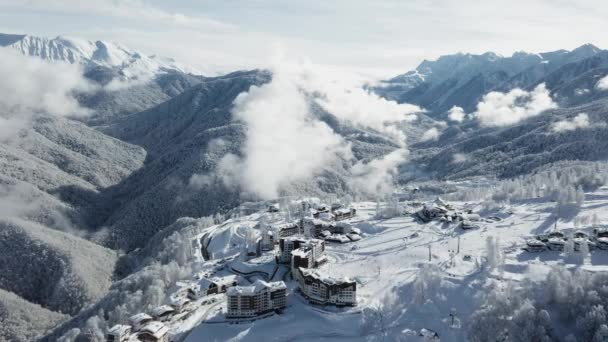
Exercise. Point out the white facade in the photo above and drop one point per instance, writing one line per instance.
(289, 244)
(255, 300)
(325, 290)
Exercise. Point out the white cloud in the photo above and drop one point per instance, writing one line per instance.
(602, 84)
(502, 109)
(287, 143)
(580, 121)
(430, 134)
(456, 114)
(377, 176)
(458, 158)
(29, 86)
(581, 91)
(284, 143)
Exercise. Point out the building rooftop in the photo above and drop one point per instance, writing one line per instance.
(325, 278)
(119, 330)
(137, 318)
(255, 288)
(156, 329)
(158, 311)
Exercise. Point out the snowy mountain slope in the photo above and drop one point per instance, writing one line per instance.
(462, 79)
(63, 272)
(187, 136)
(16, 314)
(70, 162)
(517, 149)
(110, 104)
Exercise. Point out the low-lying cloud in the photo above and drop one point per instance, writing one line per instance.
(430, 135)
(581, 121)
(503, 109)
(287, 142)
(602, 84)
(30, 86)
(456, 114)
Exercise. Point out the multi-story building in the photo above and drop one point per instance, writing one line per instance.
(324, 290)
(288, 229)
(289, 244)
(249, 302)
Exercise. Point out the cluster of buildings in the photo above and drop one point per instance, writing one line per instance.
(301, 245)
(304, 254)
(145, 328)
(151, 327)
(444, 212)
(556, 241)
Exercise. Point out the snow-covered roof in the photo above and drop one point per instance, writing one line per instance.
(140, 317)
(255, 288)
(161, 310)
(154, 328)
(343, 211)
(180, 301)
(119, 330)
(301, 252)
(326, 279)
(225, 280)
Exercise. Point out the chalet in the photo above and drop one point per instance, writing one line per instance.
(353, 236)
(431, 212)
(320, 210)
(288, 229)
(325, 290)
(602, 242)
(153, 332)
(118, 333)
(250, 302)
(579, 241)
(556, 244)
(428, 335)
(179, 303)
(466, 225)
(556, 235)
(274, 208)
(337, 238)
(535, 246)
(344, 213)
(139, 320)
(163, 313)
(600, 232)
(215, 285)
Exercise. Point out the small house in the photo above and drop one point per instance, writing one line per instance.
(179, 303)
(163, 313)
(153, 332)
(118, 333)
(139, 320)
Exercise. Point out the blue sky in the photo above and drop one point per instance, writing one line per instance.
(378, 38)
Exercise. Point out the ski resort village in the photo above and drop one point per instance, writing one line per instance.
(312, 270)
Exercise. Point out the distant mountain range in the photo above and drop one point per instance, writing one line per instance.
(462, 79)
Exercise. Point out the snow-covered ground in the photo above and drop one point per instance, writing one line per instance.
(399, 291)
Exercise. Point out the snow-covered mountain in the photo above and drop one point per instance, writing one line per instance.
(92, 54)
(462, 79)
